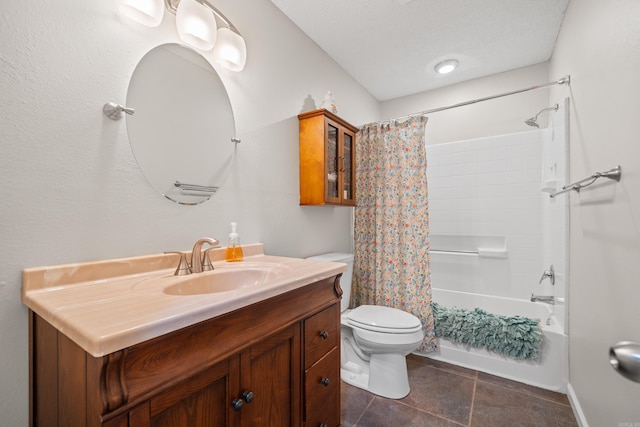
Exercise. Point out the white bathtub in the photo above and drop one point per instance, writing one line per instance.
(550, 371)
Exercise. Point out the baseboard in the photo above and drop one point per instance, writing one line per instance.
(575, 405)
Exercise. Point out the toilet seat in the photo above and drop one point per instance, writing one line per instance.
(383, 319)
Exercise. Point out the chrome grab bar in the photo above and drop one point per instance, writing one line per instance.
(452, 251)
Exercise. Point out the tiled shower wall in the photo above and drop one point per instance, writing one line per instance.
(486, 193)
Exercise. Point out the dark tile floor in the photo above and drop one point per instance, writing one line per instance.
(448, 395)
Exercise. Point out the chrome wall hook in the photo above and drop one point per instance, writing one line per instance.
(114, 111)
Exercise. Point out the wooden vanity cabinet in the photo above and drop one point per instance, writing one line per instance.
(327, 159)
(273, 363)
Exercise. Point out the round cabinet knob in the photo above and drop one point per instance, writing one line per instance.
(237, 404)
(323, 425)
(325, 382)
(247, 396)
(324, 335)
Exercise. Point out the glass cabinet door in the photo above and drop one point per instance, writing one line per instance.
(347, 167)
(333, 162)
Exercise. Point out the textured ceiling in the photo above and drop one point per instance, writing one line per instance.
(391, 46)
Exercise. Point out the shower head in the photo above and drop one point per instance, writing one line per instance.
(533, 121)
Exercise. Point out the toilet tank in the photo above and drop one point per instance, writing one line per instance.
(345, 280)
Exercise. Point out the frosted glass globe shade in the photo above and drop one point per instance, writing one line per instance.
(230, 50)
(145, 12)
(196, 24)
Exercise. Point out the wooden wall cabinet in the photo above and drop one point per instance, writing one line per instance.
(274, 363)
(327, 159)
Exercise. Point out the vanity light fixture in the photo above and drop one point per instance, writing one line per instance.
(145, 12)
(199, 25)
(196, 24)
(445, 67)
(230, 50)
(229, 47)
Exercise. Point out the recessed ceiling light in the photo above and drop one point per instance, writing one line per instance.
(446, 67)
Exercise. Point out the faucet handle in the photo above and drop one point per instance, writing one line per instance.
(551, 274)
(206, 261)
(183, 267)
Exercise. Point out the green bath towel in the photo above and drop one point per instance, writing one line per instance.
(517, 336)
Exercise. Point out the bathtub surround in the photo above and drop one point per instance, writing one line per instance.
(391, 231)
(514, 336)
(492, 224)
(485, 193)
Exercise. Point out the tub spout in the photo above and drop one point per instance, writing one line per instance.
(547, 299)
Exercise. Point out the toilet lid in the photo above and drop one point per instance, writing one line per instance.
(383, 319)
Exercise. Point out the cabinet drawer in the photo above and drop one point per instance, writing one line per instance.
(322, 391)
(321, 334)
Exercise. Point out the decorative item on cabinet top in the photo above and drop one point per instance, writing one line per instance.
(327, 159)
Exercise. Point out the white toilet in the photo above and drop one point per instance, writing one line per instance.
(375, 341)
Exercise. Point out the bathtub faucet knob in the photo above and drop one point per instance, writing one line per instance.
(551, 274)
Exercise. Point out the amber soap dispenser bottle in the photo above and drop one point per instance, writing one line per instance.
(234, 250)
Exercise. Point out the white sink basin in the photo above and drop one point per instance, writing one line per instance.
(229, 277)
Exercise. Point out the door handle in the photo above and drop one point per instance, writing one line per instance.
(624, 357)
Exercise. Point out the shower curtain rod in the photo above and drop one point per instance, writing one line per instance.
(564, 80)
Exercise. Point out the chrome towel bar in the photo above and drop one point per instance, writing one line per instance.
(614, 174)
(196, 187)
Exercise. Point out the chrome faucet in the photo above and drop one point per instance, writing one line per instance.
(197, 261)
(551, 274)
(547, 299)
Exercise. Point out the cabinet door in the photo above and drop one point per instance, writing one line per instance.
(322, 391)
(322, 368)
(270, 371)
(340, 164)
(201, 400)
(333, 164)
(348, 169)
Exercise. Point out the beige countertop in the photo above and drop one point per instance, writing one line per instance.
(109, 305)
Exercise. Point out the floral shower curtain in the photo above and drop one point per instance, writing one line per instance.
(391, 261)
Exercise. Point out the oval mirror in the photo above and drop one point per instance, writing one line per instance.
(182, 129)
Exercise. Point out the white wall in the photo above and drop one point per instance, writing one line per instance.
(599, 45)
(71, 189)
